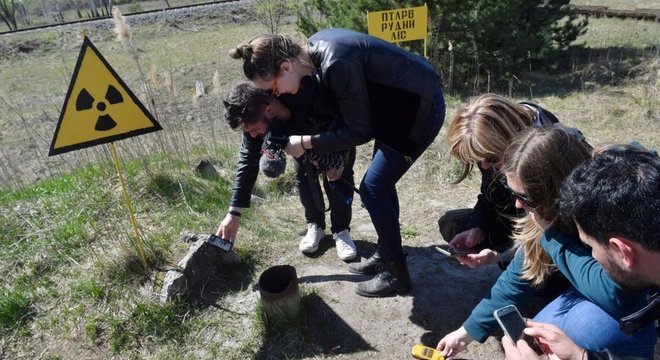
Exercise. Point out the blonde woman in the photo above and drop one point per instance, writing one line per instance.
(478, 135)
(535, 164)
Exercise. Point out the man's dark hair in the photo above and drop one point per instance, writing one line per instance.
(616, 193)
(244, 105)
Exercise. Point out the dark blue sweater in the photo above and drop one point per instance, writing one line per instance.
(575, 262)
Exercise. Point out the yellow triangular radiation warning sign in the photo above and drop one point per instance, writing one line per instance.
(99, 107)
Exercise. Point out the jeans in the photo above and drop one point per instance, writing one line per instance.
(340, 195)
(378, 187)
(593, 329)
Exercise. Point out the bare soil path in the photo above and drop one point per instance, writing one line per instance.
(443, 295)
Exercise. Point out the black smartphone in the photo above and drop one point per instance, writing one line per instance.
(220, 243)
(454, 251)
(513, 324)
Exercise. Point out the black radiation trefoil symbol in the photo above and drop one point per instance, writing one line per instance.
(85, 101)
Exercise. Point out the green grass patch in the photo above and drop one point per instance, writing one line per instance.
(55, 226)
(621, 33)
(82, 178)
(282, 185)
(146, 322)
(51, 223)
(408, 232)
(15, 309)
(89, 288)
(94, 329)
(165, 186)
(127, 269)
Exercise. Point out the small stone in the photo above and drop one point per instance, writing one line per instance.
(201, 263)
(207, 170)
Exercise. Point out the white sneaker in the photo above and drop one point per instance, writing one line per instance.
(345, 246)
(310, 242)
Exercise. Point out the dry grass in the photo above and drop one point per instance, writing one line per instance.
(640, 36)
(34, 85)
(617, 4)
(81, 293)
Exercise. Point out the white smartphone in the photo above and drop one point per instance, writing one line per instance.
(511, 321)
(454, 251)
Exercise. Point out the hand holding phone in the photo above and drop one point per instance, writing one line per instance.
(222, 244)
(426, 353)
(513, 324)
(454, 251)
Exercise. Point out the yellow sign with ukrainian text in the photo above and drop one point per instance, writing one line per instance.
(399, 25)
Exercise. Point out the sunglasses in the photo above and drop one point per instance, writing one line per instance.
(524, 199)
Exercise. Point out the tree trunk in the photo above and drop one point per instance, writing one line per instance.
(45, 12)
(24, 14)
(8, 13)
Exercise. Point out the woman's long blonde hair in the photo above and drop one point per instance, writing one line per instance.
(483, 128)
(541, 158)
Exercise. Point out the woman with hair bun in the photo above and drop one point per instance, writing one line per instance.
(384, 93)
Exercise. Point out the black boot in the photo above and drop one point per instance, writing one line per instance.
(366, 267)
(393, 277)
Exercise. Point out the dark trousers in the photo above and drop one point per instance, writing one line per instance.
(498, 238)
(378, 187)
(339, 193)
(456, 221)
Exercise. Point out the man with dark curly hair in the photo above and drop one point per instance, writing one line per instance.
(261, 115)
(614, 199)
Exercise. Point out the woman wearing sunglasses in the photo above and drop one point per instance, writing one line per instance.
(535, 164)
(478, 135)
(384, 93)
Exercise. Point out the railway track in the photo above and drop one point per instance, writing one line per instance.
(127, 16)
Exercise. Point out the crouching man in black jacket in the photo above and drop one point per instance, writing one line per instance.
(257, 112)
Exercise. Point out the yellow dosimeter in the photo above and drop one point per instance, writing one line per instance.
(420, 351)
